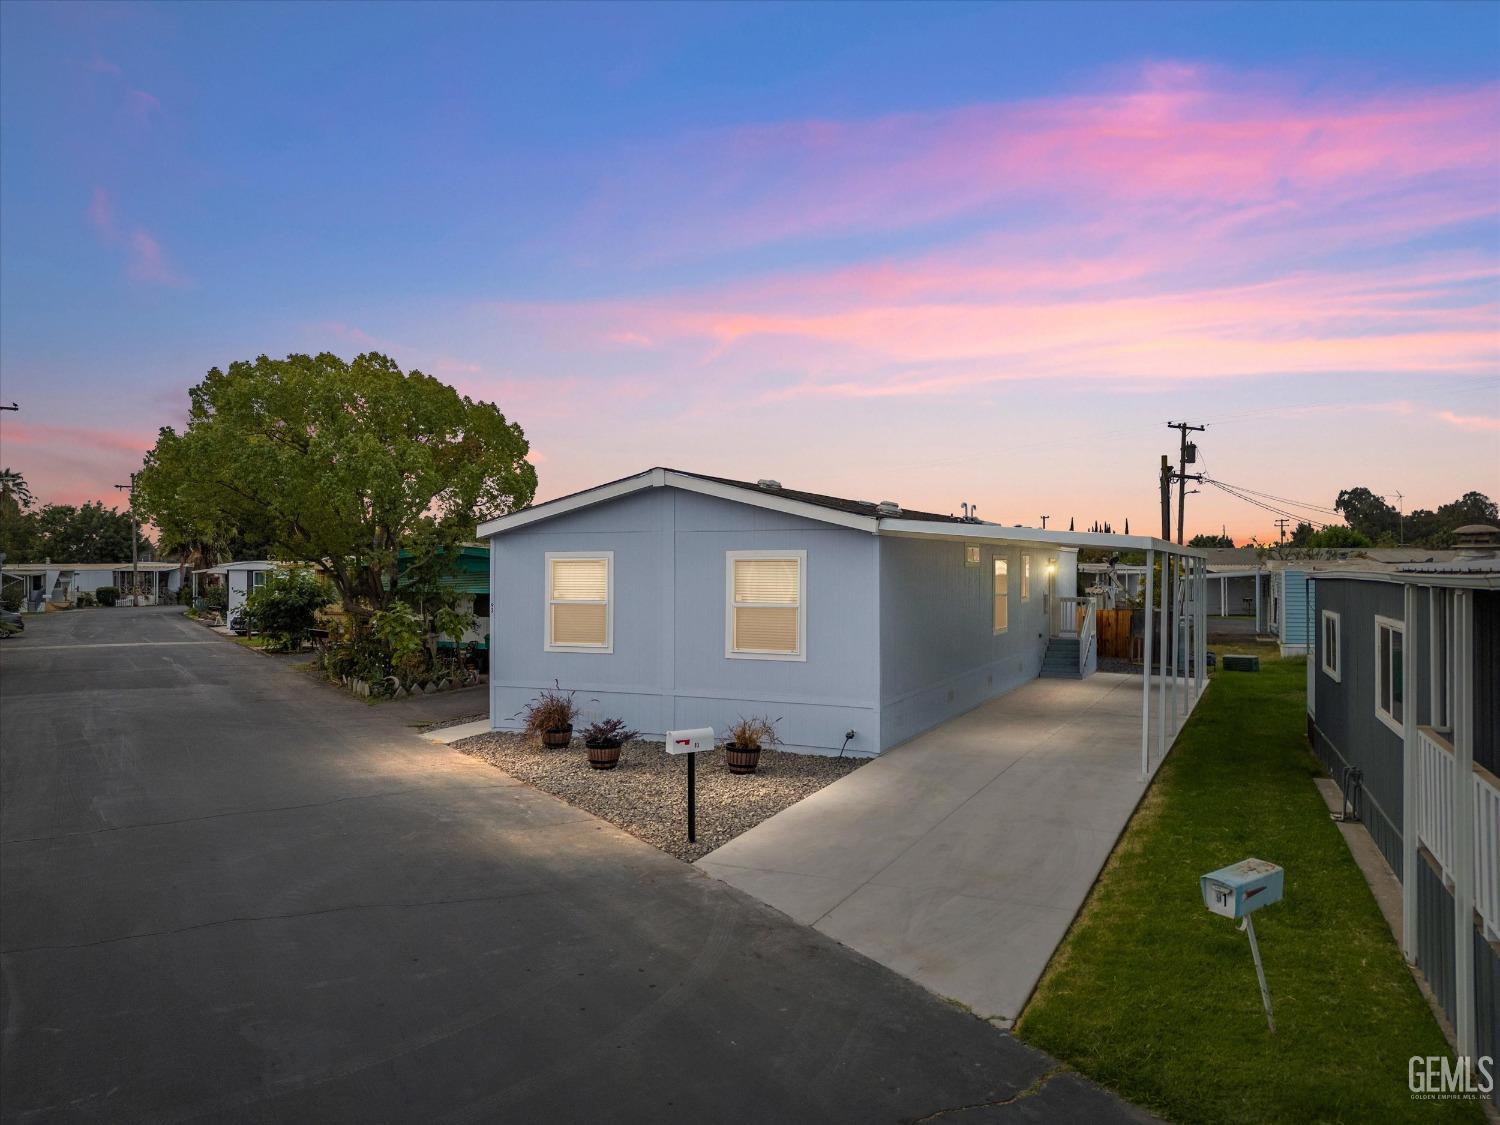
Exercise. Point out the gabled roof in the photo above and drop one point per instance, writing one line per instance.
(861, 515)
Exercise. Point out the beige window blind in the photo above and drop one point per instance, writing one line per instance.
(1002, 595)
(767, 605)
(578, 602)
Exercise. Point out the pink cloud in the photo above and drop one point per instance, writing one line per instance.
(145, 259)
(1475, 423)
(147, 262)
(101, 213)
(1177, 137)
(141, 107)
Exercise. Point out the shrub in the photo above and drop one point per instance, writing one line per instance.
(216, 598)
(358, 655)
(107, 595)
(754, 733)
(11, 600)
(184, 595)
(608, 732)
(551, 710)
(400, 630)
(86, 599)
(285, 608)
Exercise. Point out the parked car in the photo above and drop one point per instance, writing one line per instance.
(10, 622)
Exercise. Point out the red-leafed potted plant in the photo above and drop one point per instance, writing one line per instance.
(603, 741)
(550, 717)
(746, 739)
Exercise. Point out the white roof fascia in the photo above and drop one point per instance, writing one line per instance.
(1477, 581)
(1074, 540)
(565, 504)
(665, 478)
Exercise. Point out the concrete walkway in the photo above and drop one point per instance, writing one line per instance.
(960, 858)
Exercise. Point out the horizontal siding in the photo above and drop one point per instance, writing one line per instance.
(1371, 812)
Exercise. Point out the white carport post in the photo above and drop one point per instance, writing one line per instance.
(1146, 672)
(1174, 623)
(1409, 796)
(1161, 687)
(1200, 647)
(1462, 797)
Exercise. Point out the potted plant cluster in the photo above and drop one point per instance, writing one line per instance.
(746, 739)
(550, 716)
(604, 739)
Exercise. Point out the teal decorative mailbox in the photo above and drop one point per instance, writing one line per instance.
(1241, 888)
(1238, 891)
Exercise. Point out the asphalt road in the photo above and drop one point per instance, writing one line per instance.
(230, 893)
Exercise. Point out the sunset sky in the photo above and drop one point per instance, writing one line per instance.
(931, 254)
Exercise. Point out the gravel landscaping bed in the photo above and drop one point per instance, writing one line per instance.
(646, 794)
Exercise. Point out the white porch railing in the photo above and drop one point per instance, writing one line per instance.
(1067, 616)
(1087, 661)
(1436, 768)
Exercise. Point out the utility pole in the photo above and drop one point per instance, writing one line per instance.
(1400, 519)
(12, 406)
(1281, 529)
(135, 565)
(1187, 454)
(1044, 523)
(1166, 498)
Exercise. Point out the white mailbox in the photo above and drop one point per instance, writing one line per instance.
(690, 741)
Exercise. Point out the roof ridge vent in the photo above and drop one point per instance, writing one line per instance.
(768, 484)
(888, 508)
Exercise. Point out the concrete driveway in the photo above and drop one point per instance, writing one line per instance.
(961, 858)
(229, 893)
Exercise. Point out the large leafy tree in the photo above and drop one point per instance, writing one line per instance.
(1367, 513)
(89, 533)
(334, 463)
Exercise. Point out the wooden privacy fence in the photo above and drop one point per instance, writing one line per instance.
(1113, 628)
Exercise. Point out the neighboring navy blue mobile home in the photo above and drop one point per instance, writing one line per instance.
(1404, 709)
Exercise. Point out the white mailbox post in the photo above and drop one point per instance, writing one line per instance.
(689, 742)
(1237, 891)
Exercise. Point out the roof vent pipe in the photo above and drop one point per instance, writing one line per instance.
(888, 508)
(768, 485)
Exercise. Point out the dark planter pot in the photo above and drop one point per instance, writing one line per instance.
(741, 761)
(603, 755)
(558, 738)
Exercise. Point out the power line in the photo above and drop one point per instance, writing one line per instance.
(1264, 506)
(1283, 499)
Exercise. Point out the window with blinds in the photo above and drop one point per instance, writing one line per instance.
(579, 613)
(1001, 599)
(765, 597)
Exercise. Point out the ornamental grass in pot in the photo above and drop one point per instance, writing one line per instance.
(603, 741)
(550, 717)
(746, 739)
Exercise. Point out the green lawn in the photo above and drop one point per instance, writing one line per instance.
(1155, 997)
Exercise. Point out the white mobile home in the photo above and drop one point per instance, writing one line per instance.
(59, 584)
(239, 579)
(679, 600)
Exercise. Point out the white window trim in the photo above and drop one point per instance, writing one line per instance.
(729, 650)
(1025, 578)
(1335, 670)
(608, 646)
(1000, 629)
(1396, 627)
(978, 555)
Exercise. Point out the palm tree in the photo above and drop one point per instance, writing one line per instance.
(13, 488)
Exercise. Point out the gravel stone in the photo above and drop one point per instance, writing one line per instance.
(646, 794)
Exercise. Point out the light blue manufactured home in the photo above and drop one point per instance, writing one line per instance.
(678, 600)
